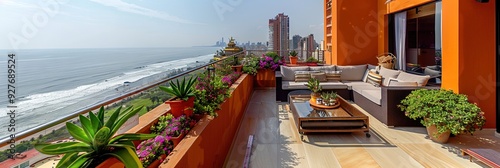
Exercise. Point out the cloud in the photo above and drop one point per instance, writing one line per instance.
(12, 3)
(133, 8)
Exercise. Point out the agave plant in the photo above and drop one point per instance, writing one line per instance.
(97, 141)
(293, 53)
(182, 90)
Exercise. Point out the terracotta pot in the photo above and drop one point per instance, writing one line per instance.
(265, 78)
(179, 107)
(293, 60)
(177, 140)
(439, 138)
(237, 68)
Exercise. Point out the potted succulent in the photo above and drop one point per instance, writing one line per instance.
(236, 64)
(329, 98)
(184, 96)
(293, 57)
(311, 61)
(313, 85)
(96, 141)
(443, 112)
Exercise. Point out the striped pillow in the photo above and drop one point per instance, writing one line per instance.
(332, 76)
(302, 76)
(374, 79)
(320, 76)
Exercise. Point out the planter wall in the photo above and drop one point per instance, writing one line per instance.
(208, 143)
(265, 78)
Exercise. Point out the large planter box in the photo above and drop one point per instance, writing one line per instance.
(209, 141)
(265, 78)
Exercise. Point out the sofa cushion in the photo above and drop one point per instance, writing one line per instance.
(292, 85)
(332, 85)
(332, 76)
(368, 69)
(319, 76)
(407, 77)
(365, 86)
(387, 74)
(374, 79)
(352, 73)
(373, 95)
(288, 73)
(322, 68)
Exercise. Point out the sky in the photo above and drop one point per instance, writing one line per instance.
(39, 24)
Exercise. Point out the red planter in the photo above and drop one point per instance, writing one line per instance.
(293, 60)
(237, 68)
(312, 64)
(179, 107)
(265, 78)
(157, 162)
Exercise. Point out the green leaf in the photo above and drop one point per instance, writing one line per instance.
(67, 159)
(100, 115)
(80, 161)
(131, 137)
(101, 138)
(128, 156)
(111, 121)
(78, 133)
(96, 123)
(61, 148)
(124, 118)
(87, 126)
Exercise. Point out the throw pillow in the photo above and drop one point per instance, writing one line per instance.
(395, 82)
(374, 79)
(332, 76)
(320, 76)
(302, 76)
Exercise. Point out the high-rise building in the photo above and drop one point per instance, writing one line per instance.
(295, 41)
(306, 46)
(279, 34)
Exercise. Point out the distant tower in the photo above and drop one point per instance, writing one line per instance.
(279, 34)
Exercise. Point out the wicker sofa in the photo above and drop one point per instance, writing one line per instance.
(381, 102)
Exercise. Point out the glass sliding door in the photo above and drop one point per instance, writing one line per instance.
(422, 45)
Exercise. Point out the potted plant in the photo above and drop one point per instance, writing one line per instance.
(236, 64)
(96, 141)
(250, 64)
(313, 85)
(443, 112)
(311, 61)
(329, 98)
(293, 57)
(184, 93)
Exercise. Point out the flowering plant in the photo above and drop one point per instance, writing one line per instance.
(270, 60)
(210, 93)
(250, 64)
(445, 109)
(231, 78)
(151, 149)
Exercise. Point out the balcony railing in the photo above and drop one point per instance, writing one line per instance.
(303, 54)
(20, 136)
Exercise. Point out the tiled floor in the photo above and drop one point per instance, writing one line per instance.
(278, 144)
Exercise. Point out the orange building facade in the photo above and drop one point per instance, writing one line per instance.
(459, 37)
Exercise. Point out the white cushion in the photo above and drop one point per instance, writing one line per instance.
(322, 68)
(407, 77)
(387, 74)
(373, 95)
(395, 82)
(292, 85)
(352, 73)
(332, 85)
(288, 73)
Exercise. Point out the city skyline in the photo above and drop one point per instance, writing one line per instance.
(120, 24)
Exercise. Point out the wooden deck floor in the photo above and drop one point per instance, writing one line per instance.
(277, 143)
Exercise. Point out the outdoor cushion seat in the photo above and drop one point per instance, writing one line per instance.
(358, 87)
(373, 95)
(292, 85)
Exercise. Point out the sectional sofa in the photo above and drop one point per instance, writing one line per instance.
(356, 83)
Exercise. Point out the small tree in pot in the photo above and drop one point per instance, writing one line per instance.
(293, 57)
(443, 111)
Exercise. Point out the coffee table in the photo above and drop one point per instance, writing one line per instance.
(345, 118)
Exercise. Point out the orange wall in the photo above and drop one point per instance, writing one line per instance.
(469, 52)
(209, 142)
(355, 32)
(399, 5)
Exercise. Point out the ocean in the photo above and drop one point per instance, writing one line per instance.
(52, 83)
